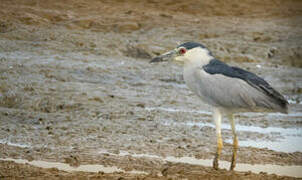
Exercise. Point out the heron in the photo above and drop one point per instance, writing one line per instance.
(227, 89)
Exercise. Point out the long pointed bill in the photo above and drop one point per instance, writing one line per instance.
(164, 57)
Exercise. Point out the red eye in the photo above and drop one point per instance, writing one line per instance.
(182, 51)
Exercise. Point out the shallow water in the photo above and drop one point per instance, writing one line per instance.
(287, 144)
(290, 139)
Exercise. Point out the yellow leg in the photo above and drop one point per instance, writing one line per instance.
(235, 142)
(217, 119)
(218, 152)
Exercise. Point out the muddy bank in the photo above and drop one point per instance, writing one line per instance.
(169, 171)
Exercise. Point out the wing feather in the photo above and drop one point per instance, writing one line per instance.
(218, 67)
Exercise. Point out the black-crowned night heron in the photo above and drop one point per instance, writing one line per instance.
(227, 89)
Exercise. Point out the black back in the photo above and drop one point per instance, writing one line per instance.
(218, 67)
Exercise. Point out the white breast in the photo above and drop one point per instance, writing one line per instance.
(197, 84)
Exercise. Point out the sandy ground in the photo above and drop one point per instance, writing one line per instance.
(76, 86)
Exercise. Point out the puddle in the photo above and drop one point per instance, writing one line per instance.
(293, 114)
(289, 144)
(66, 167)
(284, 131)
(294, 171)
(290, 141)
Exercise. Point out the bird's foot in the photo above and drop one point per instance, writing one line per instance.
(215, 162)
(218, 152)
(235, 147)
(233, 164)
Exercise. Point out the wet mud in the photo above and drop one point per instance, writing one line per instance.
(77, 90)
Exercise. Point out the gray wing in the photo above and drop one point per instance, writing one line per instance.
(264, 96)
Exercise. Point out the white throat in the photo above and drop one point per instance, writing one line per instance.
(197, 57)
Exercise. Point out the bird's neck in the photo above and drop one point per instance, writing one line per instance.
(197, 58)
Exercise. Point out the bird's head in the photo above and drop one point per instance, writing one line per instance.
(187, 52)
